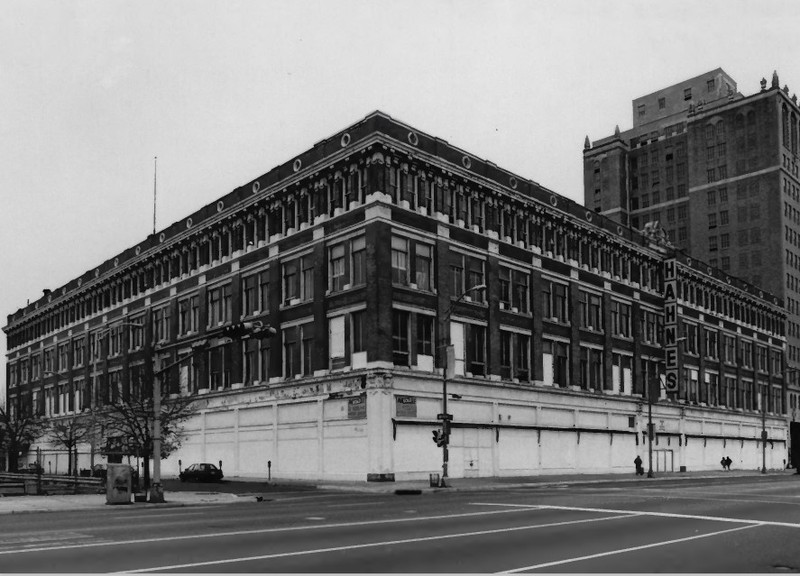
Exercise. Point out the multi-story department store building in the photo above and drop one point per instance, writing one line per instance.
(361, 252)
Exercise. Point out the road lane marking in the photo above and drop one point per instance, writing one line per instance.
(647, 513)
(353, 504)
(526, 508)
(623, 550)
(147, 516)
(743, 497)
(369, 545)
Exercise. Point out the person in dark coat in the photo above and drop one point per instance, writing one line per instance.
(728, 462)
(724, 461)
(639, 467)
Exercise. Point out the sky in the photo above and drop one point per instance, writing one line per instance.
(223, 91)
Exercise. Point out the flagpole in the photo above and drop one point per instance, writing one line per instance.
(155, 179)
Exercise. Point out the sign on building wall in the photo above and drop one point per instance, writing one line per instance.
(357, 408)
(671, 325)
(406, 406)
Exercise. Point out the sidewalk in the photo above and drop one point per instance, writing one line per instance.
(56, 503)
(543, 481)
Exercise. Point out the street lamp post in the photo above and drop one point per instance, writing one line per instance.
(156, 490)
(650, 430)
(764, 429)
(447, 348)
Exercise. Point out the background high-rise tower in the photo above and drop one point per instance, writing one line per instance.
(719, 171)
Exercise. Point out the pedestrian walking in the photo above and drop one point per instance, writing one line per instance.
(728, 462)
(639, 468)
(723, 462)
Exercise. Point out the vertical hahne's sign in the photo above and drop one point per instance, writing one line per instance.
(671, 324)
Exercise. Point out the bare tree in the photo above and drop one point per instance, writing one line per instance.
(132, 419)
(17, 433)
(69, 432)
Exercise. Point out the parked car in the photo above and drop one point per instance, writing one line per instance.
(203, 472)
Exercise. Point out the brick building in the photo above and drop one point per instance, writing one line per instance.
(719, 170)
(365, 253)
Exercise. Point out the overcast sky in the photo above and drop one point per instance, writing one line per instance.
(222, 91)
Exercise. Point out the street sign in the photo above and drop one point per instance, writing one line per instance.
(444, 416)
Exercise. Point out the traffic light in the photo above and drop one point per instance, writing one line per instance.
(439, 437)
(248, 329)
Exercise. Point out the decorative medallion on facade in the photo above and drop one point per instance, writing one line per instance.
(80, 282)
(512, 182)
(297, 164)
(413, 139)
(161, 237)
(619, 230)
(220, 206)
(256, 187)
(589, 216)
(189, 223)
(345, 140)
(553, 200)
(138, 250)
(116, 262)
(97, 272)
(467, 162)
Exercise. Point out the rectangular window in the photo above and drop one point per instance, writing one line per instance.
(591, 366)
(358, 261)
(746, 354)
(466, 272)
(77, 352)
(400, 347)
(555, 360)
(115, 336)
(249, 301)
(712, 344)
(336, 342)
(514, 356)
(399, 261)
(219, 365)
(424, 267)
(338, 277)
(136, 333)
(555, 301)
(298, 280)
(621, 318)
(219, 305)
(188, 315)
(521, 295)
(591, 311)
(424, 335)
(504, 278)
(476, 349)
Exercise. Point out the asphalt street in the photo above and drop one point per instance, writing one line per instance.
(709, 525)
